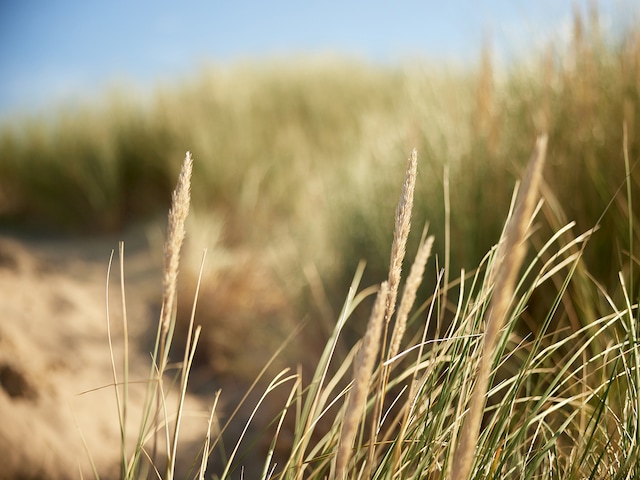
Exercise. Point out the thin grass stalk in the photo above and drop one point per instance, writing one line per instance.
(406, 303)
(294, 390)
(184, 373)
(594, 421)
(627, 171)
(253, 385)
(412, 397)
(401, 231)
(407, 410)
(205, 449)
(114, 373)
(94, 468)
(514, 252)
(278, 380)
(537, 415)
(362, 371)
(145, 474)
(148, 415)
(413, 282)
(398, 250)
(632, 332)
(173, 450)
(125, 367)
(327, 398)
(308, 413)
(400, 235)
(464, 378)
(180, 201)
(186, 368)
(447, 241)
(161, 398)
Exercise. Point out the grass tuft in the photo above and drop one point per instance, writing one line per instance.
(362, 370)
(511, 252)
(453, 403)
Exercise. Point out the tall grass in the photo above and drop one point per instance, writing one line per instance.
(299, 167)
(509, 257)
(155, 418)
(277, 141)
(456, 404)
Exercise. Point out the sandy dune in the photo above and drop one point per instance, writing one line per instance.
(54, 353)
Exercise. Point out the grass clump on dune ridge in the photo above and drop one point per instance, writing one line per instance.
(552, 410)
(292, 155)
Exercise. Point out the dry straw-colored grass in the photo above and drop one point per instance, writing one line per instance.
(414, 280)
(374, 435)
(176, 232)
(401, 234)
(362, 370)
(381, 315)
(509, 258)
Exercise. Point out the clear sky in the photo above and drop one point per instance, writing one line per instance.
(53, 51)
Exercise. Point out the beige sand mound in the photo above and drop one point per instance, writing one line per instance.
(53, 347)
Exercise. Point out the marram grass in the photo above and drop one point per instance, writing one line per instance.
(509, 257)
(275, 143)
(278, 141)
(547, 404)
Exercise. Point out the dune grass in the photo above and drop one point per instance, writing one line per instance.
(474, 400)
(277, 141)
(297, 170)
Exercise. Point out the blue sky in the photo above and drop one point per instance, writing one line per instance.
(52, 52)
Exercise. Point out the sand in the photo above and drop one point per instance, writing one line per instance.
(57, 400)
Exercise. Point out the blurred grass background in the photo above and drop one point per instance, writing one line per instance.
(297, 167)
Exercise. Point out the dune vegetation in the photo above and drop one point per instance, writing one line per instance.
(505, 346)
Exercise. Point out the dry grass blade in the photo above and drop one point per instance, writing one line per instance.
(362, 370)
(114, 371)
(192, 340)
(181, 199)
(409, 294)
(514, 250)
(398, 251)
(401, 233)
(207, 440)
